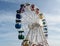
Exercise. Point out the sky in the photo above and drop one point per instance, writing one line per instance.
(8, 33)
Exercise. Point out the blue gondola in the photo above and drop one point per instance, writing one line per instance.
(22, 5)
(18, 11)
(45, 25)
(45, 28)
(46, 35)
(17, 26)
(18, 16)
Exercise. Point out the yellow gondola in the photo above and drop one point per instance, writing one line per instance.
(41, 16)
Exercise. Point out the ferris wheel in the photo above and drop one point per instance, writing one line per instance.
(29, 18)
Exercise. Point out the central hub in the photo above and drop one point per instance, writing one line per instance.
(33, 25)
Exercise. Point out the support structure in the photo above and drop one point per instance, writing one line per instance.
(29, 15)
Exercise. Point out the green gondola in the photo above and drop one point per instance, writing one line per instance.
(44, 23)
(20, 36)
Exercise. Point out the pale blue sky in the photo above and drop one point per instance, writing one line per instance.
(8, 33)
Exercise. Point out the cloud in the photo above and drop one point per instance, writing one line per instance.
(15, 1)
(52, 19)
(7, 16)
(58, 1)
(8, 33)
(7, 22)
(54, 42)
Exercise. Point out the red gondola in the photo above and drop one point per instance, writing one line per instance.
(32, 7)
(37, 11)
